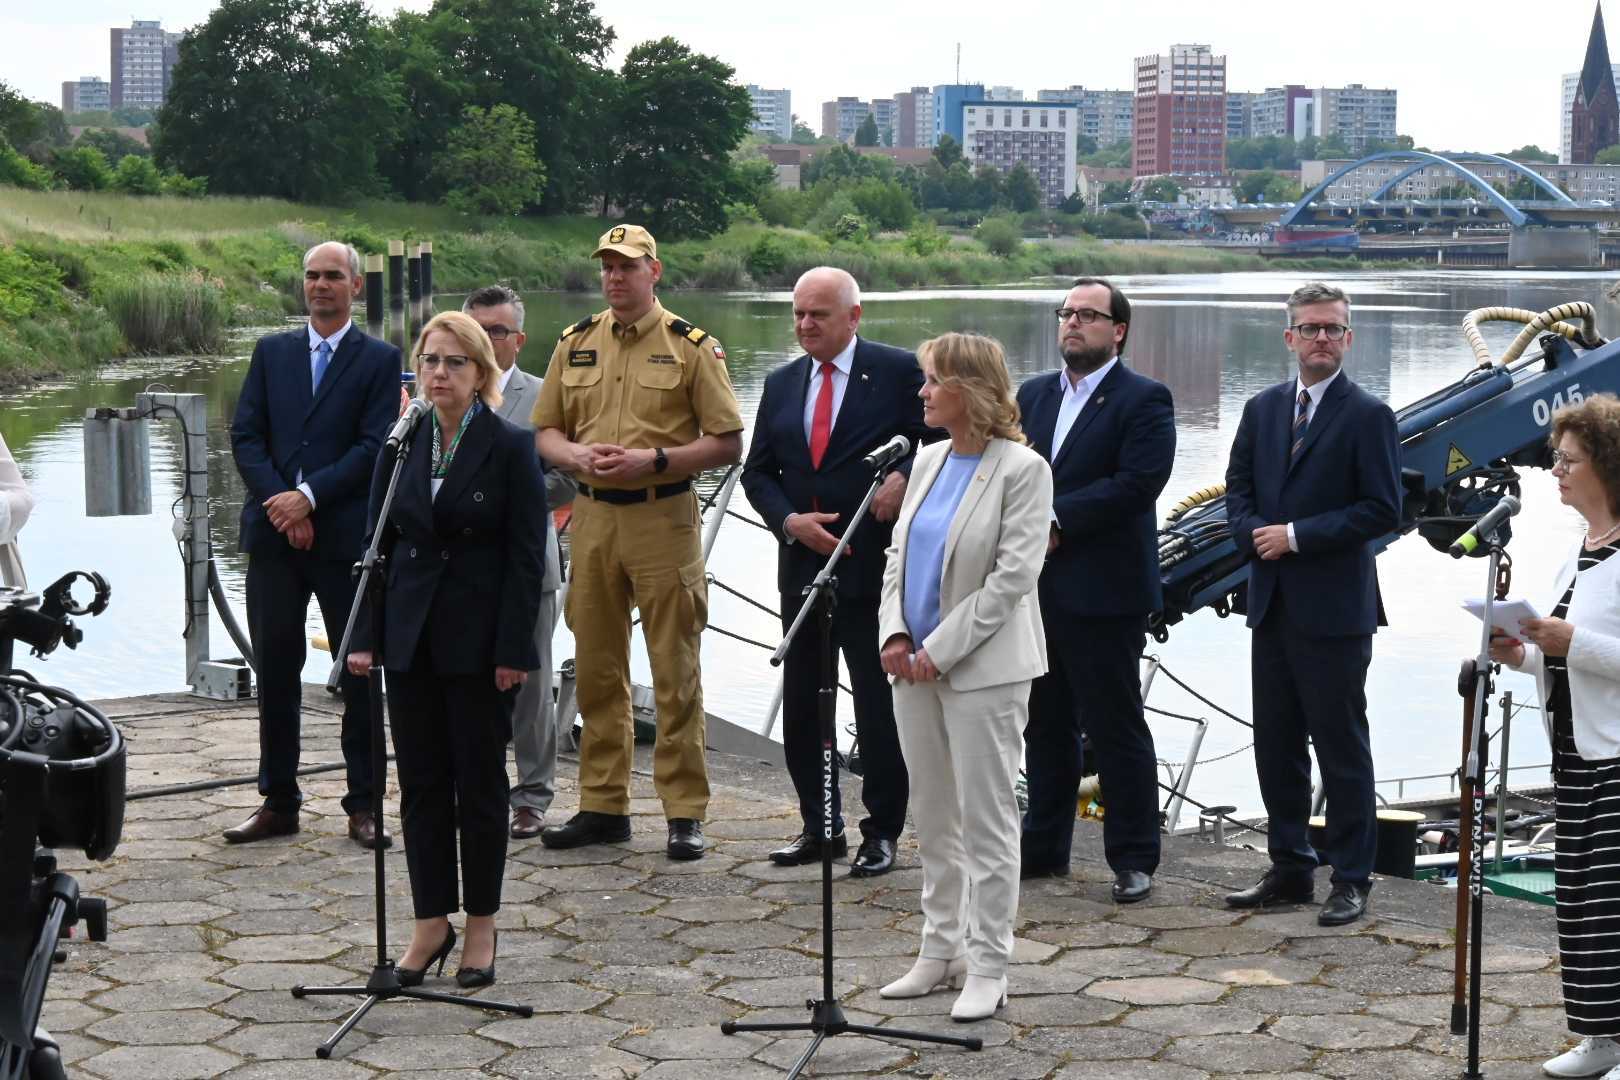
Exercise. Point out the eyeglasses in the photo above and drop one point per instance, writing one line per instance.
(428, 361)
(499, 332)
(1087, 316)
(1310, 330)
(1559, 458)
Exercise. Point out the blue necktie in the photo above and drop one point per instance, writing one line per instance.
(323, 357)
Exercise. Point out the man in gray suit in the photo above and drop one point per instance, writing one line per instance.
(499, 311)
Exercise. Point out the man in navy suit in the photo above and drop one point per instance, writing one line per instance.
(818, 416)
(1110, 436)
(314, 410)
(1313, 480)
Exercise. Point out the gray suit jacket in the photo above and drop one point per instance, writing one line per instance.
(517, 405)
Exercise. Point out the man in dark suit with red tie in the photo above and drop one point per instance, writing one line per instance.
(1313, 480)
(1110, 436)
(818, 417)
(314, 409)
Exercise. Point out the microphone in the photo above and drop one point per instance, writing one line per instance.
(417, 409)
(887, 454)
(1485, 526)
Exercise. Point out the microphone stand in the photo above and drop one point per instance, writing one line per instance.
(383, 985)
(1474, 683)
(826, 1015)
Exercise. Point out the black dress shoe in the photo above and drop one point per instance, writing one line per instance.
(587, 827)
(470, 978)
(1345, 904)
(1028, 871)
(685, 839)
(1277, 887)
(265, 822)
(876, 856)
(1131, 886)
(414, 976)
(806, 849)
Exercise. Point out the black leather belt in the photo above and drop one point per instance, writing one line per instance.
(641, 495)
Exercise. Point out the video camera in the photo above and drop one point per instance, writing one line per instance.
(61, 786)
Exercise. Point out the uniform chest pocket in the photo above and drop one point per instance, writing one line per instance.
(665, 376)
(582, 375)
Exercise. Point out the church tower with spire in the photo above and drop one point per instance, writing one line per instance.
(1594, 118)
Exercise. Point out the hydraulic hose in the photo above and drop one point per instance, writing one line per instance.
(223, 606)
(1197, 498)
(1535, 324)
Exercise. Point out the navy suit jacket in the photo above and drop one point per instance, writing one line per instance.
(1106, 478)
(466, 568)
(281, 426)
(1342, 491)
(880, 402)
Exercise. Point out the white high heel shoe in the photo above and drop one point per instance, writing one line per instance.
(980, 998)
(926, 976)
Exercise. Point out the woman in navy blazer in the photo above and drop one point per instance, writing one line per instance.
(463, 593)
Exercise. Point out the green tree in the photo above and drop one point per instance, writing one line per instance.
(867, 133)
(885, 203)
(839, 162)
(21, 122)
(137, 176)
(802, 135)
(1115, 191)
(113, 143)
(1116, 155)
(987, 189)
(488, 166)
(999, 235)
(947, 151)
(545, 57)
(280, 97)
(433, 95)
(82, 168)
(1280, 189)
(1609, 155)
(1161, 189)
(681, 115)
(1532, 152)
(1085, 145)
(1021, 190)
(752, 179)
(187, 187)
(18, 171)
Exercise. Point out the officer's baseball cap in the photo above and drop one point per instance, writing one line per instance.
(630, 240)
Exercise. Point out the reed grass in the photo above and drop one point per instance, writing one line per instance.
(163, 313)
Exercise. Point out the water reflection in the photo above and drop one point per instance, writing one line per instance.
(1215, 340)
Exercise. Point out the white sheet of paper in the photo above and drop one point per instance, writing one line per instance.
(1504, 613)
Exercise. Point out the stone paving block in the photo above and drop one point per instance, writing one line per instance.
(1526, 988)
(1121, 963)
(1344, 1032)
(1157, 990)
(1095, 1043)
(1217, 941)
(149, 967)
(160, 1063)
(1275, 1000)
(1301, 922)
(170, 994)
(1053, 978)
(278, 1006)
(435, 1052)
(727, 910)
(288, 1042)
(269, 976)
(276, 922)
(734, 936)
(616, 926)
(1263, 970)
(1386, 978)
(567, 1029)
(1060, 908)
(667, 1010)
(702, 1070)
(1133, 1070)
(168, 890)
(1366, 950)
(309, 1068)
(645, 951)
(1000, 1062)
(1179, 1021)
(165, 913)
(152, 939)
(1386, 1065)
(1533, 1033)
(626, 979)
(528, 968)
(707, 1042)
(853, 943)
(766, 993)
(1089, 935)
(251, 900)
(1241, 1053)
(602, 903)
(60, 1016)
(180, 1027)
(754, 963)
(283, 947)
(843, 1054)
(1432, 1010)
(1176, 916)
(846, 916)
(1496, 960)
(571, 1063)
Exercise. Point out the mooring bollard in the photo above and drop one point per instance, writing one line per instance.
(396, 294)
(374, 296)
(426, 252)
(413, 275)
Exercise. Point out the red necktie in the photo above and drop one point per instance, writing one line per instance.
(821, 419)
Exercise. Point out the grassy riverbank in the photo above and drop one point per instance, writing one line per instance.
(89, 276)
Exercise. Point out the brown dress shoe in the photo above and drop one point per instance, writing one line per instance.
(265, 822)
(526, 823)
(363, 831)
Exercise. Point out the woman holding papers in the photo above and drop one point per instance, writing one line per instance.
(1574, 654)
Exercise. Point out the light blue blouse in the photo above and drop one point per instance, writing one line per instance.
(925, 545)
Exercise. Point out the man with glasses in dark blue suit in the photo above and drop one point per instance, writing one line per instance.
(1313, 480)
(314, 409)
(818, 416)
(1110, 436)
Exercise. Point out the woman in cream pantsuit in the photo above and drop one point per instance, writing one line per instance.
(962, 640)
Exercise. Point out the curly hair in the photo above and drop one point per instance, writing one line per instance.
(976, 366)
(1595, 424)
(475, 341)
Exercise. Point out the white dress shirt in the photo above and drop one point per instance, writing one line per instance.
(315, 340)
(506, 377)
(1316, 392)
(1075, 395)
(843, 362)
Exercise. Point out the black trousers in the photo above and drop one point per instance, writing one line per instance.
(450, 735)
(279, 587)
(1315, 687)
(1093, 686)
(885, 786)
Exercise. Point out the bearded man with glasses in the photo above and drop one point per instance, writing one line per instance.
(1313, 480)
(1110, 437)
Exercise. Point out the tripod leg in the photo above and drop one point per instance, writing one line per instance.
(476, 1003)
(324, 1050)
(804, 1058)
(972, 1042)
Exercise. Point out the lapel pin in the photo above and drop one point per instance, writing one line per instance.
(863, 376)
(1099, 399)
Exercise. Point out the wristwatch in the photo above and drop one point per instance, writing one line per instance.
(660, 460)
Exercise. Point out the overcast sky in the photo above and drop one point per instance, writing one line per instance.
(1467, 81)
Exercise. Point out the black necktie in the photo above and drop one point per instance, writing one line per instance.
(1300, 419)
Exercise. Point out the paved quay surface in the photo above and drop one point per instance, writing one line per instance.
(632, 961)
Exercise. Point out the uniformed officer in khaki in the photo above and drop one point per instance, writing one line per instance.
(636, 401)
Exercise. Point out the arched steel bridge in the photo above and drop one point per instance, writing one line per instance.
(1420, 159)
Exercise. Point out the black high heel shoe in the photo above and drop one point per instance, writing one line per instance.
(470, 978)
(414, 976)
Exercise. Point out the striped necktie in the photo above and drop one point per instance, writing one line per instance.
(1300, 420)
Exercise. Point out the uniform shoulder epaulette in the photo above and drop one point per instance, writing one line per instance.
(695, 334)
(584, 324)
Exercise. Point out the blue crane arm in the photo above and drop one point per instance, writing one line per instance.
(1492, 418)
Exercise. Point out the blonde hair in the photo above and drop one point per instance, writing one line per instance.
(475, 341)
(976, 366)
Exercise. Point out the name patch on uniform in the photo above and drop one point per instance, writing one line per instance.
(661, 358)
(582, 358)
(720, 354)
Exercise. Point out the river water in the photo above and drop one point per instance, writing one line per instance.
(1215, 340)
